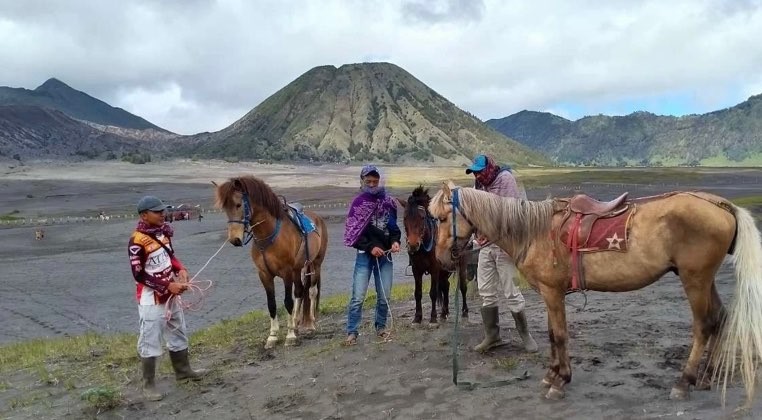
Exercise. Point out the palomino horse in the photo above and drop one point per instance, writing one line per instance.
(686, 233)
(421, 232)
(280, 249)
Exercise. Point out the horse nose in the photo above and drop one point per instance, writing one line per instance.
(411, 248)
(236, 242)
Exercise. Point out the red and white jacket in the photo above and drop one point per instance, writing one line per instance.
(152, 267)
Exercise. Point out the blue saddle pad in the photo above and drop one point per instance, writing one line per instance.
(305, 223)
(296, 214)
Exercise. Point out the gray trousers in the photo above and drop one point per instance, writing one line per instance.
(155, 328)
(495, 277)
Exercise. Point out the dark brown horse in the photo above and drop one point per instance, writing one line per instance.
(421, 233)
(688, 233)
(279, 249)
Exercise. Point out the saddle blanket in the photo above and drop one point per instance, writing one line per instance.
(304, 223)
(607, 234)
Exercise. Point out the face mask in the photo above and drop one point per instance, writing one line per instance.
(373, 190)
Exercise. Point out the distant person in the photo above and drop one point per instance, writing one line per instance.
(159, 275)
(496, 272)
(371, 228)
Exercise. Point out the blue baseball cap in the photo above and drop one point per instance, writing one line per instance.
(480, 162)
(369, 169)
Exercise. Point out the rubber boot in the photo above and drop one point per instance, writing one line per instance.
(149, 382)
(491, 330)
(181, 364)
(521, 326)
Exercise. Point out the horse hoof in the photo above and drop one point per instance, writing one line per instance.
(271, 342)
(678, 394)
(555, 394)
(546, 383)
(292, 341)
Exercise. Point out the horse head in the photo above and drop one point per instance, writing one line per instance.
(418, 228)
(454, 234)
(248, 202)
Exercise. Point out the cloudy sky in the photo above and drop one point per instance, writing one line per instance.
(198, 65)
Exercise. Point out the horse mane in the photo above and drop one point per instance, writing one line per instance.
(419, 197)
(520, 221)
(259, 193)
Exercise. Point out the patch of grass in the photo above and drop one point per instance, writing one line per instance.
(113, 349)
(338, 303)
(750, 201)
(102, 398)
(10, 216)
(507, 362)
(247, 329)
(29, 399)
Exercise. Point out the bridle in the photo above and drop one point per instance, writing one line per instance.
(455, 251)
(248, 228)
(430, 226)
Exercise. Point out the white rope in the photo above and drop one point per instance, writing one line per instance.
(209, 260)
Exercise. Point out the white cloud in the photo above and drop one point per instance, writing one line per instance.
(199, 65)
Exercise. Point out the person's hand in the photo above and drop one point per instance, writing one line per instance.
(377, 252)
(182, 276)
(481, 240)
(177, 288)
(396, 247)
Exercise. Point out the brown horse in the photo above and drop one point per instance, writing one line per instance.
(686, 233)
(279, 249)
(421, 232)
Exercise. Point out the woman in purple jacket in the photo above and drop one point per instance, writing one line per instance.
(371, 228)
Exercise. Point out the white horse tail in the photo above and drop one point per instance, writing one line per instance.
(740, 345)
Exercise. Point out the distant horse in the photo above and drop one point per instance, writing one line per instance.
(421, 232)
(103, 217)
(39, 234)
(688, 233)
(279, 249)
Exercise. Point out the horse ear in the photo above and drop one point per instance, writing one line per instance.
(402, 202)
(446, 189)
(451, 185)
(237, 184)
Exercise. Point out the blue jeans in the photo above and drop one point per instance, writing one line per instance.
(365, 264)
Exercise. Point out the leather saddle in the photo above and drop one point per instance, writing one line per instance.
(580, 213)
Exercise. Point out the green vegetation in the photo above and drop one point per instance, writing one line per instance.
(297, 122)
(729, 137)
(11, 216)
(749, 201)
(137, 158)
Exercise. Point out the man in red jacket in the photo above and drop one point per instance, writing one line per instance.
(158, 275)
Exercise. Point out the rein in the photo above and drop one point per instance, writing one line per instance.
(455, 339)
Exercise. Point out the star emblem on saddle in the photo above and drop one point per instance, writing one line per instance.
(614, 241)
